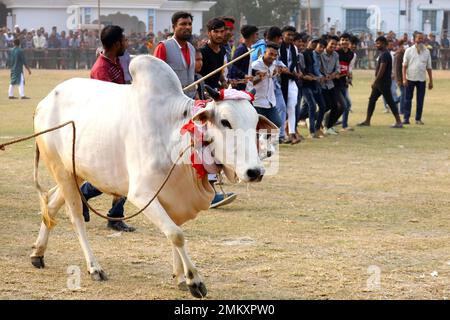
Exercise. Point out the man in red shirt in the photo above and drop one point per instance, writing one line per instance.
(108, 68)
(177, 52)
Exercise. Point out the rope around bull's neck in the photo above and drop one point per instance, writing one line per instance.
(83, 199)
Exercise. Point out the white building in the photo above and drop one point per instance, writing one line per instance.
(133, 15)
(382, 15)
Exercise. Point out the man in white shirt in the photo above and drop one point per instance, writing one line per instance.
(263, 71)
(39, 43)
(416, 64)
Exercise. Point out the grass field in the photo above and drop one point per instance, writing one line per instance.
(341, 211)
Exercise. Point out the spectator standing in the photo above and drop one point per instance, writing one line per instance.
(289, 87)
(39, 43)
(64, 51)
(108, 68)
(391, 49)
(382, 85)
(125, 61)
(434, 47)
(263, 70)
(17, 63)
(445, 50)
(178, 52)
(241, 70)
(333, 98)
(214, 53)
(416, 64)
(346, 57)
(3, 48)
(53, 46)
(398, 73)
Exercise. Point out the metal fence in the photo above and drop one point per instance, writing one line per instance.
(82, 58)
(71, 58)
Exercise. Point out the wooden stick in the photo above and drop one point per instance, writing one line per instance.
(218, 70)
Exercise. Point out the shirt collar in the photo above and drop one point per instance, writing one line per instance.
(179, 46)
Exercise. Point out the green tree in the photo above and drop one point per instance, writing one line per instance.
(257, 12)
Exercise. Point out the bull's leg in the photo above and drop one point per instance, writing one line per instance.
(158, 216)
(178, 270)
(75, 211)
(55, 202)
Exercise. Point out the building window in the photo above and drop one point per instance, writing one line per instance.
(431, 16)
(87, 15)
(356, 19)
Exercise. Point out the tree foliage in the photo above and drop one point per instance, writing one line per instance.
(257, 12)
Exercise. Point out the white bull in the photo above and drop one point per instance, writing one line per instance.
(126, 138)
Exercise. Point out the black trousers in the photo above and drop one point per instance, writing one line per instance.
(385, 91)
(334, 103)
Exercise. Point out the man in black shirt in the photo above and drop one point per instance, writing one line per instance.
(341, 83)
(213, 52)
(382, 85)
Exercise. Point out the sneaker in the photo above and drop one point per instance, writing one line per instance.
(397, 126)
(120, 226)
(331, 132)
(406, 122)
(220, 200)
(25, 98)
(348, 129)
(12, 98)
(420, 122)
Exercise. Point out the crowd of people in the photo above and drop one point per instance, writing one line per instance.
(76, 49)
(294, 77)
(65, 50)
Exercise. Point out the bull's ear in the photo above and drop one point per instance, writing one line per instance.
(203, 115)
(265, 124)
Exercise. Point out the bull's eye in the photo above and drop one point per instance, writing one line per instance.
(226, 124)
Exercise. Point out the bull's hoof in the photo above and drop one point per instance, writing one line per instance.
(198, 290)
(38, 262)
(183, 286)
(99, 275)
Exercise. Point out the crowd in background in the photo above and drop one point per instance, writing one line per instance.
(54, 49)
(292, 77)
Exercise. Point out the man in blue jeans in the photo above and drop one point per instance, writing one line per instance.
(416, 63)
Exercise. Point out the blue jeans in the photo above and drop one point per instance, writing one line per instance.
(402, 99)
(271, 114)
(394, 94)
(421, 89)
(320, 100)
(89, 192)
(347, 105)
(281, 107)
(308, 97)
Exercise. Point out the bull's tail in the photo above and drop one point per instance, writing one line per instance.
(43, 195)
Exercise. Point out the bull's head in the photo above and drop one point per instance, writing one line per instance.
(231, 129)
